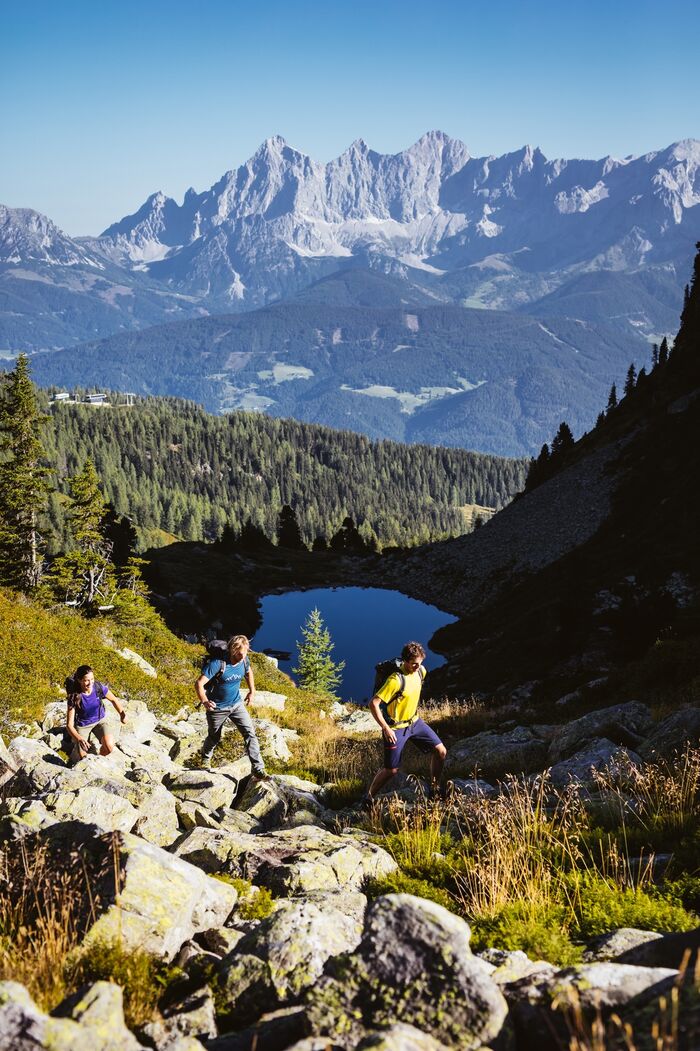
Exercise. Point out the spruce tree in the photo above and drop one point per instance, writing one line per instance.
(663, 351)
(562, 440)
(630, 380)
(23, 480)
(288, 532)
(612, 399)
(84, 576)
(316, 668)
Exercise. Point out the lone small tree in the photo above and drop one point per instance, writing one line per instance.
(316, 668)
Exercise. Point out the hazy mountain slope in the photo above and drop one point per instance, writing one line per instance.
(487, 380)
(55, 291)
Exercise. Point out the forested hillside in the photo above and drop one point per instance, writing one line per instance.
(171, 466)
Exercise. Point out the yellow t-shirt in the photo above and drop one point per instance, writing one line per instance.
(404, 708)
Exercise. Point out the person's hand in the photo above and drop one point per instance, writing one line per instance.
(122, 715)
(249, 698)
(209, 705)
(389, 735)
(82, 742)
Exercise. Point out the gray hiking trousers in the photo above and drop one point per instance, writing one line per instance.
(240, 717)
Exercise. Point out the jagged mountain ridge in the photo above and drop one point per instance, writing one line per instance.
(431, 209)
(498, 232)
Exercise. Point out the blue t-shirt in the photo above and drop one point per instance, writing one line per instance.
(227, 690)
(90, 707)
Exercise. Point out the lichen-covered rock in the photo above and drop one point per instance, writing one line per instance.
(39, 768)
(139, 661)
(8, 766)
(278, 1030)
(510, 966)
(23, 1027)
(580, 769)
(263, 801)
(544, 1004)
(207, 787)
(623, 724)
(414, 964)
(613, 944)
(491, 755)
(157, 819)
(194, 815)
(361, 721)
(192, 1018)
(297, 940)
(291, 861)
(32, 812)
(100, 1007)
(273, 742)
(672, 735)
(473, 787)
(268, 699)
(400, 1037)
(161, 900)
(243, 990)
(93, 806)
(146, 756)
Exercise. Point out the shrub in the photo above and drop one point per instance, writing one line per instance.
(344, 793)
(142, 977)
(539, 931)
(400, 883)
(603, 907)
(254, 903)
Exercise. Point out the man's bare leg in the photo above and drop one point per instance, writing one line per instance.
(381, 777)
(437, 762)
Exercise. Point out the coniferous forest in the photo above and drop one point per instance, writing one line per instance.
(175, 469)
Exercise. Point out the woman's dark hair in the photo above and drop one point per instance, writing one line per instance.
(73, 690)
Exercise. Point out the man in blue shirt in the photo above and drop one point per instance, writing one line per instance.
(219, 690)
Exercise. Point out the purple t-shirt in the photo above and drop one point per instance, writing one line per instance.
(90, 707)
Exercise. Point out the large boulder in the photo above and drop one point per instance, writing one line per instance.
(23, 1027)
(192, 1019)
(545, 1004)
(599, 755)
(139, 661)
(100, 1006)
(264, 801)
(273, 741)
(158, 820)
(8, 766)
(400, 1037)
(671, 736)
(296, 941)
(159, 901)
(93, 805)
(266, 699)
(615, 944)
(623, 724)
(211, 789)
(491, 755)
(413, 964)
(361, 721)
(291, 861)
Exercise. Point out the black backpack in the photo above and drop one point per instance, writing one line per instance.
(217, 650)
(383, 670)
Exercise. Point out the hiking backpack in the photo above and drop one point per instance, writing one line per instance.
(217, 650)
(382, 671)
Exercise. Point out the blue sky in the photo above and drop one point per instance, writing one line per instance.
(104, 102)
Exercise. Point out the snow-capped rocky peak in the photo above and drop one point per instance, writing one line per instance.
(28, 236)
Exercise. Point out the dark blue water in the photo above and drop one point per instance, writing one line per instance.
(366, 625)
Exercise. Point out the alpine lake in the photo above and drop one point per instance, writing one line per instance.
(366, 625)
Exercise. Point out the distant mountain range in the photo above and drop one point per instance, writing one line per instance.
(595, 251)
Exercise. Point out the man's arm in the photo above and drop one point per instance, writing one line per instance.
(250, 679)
(375, 709)
(199, 690)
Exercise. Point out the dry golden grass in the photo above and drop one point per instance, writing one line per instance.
(40, 923)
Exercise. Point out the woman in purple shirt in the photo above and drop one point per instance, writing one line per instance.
(86, 713)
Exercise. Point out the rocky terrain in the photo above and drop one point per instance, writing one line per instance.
(322, 967)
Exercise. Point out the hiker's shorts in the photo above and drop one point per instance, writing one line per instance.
(96, 731)
(419, 733)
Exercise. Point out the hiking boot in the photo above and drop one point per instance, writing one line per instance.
(366, 803)
(264, 776)
(205, 763)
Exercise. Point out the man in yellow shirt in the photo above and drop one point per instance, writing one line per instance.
(394, 707)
